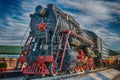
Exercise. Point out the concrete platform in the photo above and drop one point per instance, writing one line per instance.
(102, 75)
(117, 77)
(105, 75)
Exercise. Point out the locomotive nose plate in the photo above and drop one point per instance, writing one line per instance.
(36, 68)
(42, 26)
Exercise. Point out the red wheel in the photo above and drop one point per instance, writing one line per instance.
(78, 69)
(80, 54)
(85, 64)
(91, 63)
(84, 68)
(71, 71)
(53, 71)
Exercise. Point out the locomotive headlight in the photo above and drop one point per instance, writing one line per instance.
(40, 10)
(24, 65)
(45, 47)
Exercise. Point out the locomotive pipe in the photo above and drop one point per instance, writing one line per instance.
(52, 6)
(75, 42)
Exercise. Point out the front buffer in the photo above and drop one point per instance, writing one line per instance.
(42, 66)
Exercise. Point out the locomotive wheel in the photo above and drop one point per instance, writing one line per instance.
(71, 71)
(78, 69)
(84, 63)
(84, 68)
(91, 63)
(53, 70)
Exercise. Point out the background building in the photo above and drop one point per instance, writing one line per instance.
(114, 59)
(9, 55)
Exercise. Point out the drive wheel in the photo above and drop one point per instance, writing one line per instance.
(53, 70)
(71, 71)
(84, 68)
(78, 69)
(91, 63)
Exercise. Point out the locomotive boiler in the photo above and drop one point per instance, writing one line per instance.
(56, 44)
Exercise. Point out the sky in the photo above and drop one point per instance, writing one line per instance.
(100, 16)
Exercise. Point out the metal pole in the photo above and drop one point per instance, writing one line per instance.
(5, 70)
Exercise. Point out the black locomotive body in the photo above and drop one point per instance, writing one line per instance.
(56, 44)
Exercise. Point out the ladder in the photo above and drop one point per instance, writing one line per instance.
(62, 43)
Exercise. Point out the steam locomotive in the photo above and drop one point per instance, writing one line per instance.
(56, 43)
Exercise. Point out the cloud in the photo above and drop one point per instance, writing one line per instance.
(93, 15)
(12, 33)
(93, 12)
(107, 36)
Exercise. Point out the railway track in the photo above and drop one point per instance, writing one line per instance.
(59, 77)
(10, 74)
